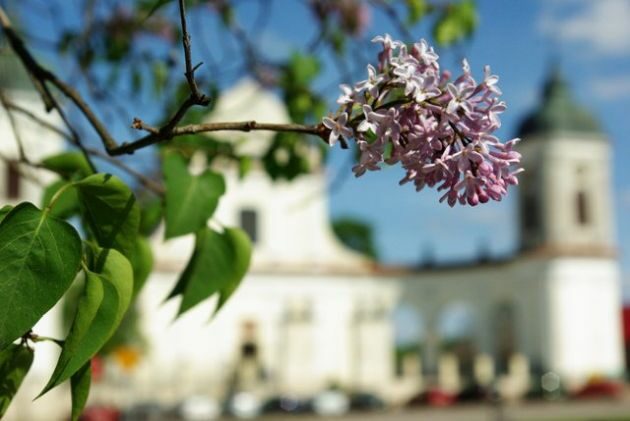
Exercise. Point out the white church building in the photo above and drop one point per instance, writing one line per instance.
(312, 315)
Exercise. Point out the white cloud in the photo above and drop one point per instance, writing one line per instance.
(611, 87)
(601, 26)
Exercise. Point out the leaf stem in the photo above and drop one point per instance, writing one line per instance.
(56, 196)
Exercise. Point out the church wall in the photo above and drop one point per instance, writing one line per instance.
(294, 227)
(515, 290)
(585, 320)
(304, 330)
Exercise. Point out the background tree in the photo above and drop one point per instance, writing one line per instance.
(356, 234)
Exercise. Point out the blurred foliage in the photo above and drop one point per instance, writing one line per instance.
(455, 23)
(357, 235)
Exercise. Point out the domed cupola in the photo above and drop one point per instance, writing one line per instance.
(564, 196)
(558, 112)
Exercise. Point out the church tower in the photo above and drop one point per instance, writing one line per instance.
(567, 236)
(565, 198)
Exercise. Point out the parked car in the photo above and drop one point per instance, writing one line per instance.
(432, 397)
(599, 388)
(197, 408)
(366, 402)
(144, 411)
(331, 403)
(100, 413)
(287, 405)
(244, 405)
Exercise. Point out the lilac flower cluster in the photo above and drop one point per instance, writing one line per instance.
(410, 112)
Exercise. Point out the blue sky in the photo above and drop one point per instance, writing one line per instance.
(519, 39)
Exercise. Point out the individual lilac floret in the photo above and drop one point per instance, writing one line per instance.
(337, 128)
(439, 129)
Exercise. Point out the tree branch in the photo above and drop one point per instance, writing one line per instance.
(241, 126)
(142, 179)
(41, 76)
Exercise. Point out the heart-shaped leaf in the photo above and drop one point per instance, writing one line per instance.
(4, 211)
(142, 263)
(39, 258)
(242, 248)
(190, 200)
(100, 310)
(66, 205)
(80, 389)
(111, 211)
(218, 264)
(68, 165)
(15, 361)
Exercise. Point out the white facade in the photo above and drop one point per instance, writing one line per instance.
(312, 314)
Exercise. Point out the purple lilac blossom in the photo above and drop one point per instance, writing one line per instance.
(439, 130)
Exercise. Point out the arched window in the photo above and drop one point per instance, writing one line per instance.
(249, 223)
(581, 205)
(12, 187)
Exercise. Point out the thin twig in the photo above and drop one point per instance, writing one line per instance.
(142, 179)
(42, 76)
(197, 96)
(15, 107)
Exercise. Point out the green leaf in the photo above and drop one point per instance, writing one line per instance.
(160, 77)
(66, 205)
(136, 80)
(244, 166)
(457, 22)
(15, 361)
(105, 299)
(416, 9)
(80, 389)
(39, 258)
(142, 263)
(241, 247)
(286, 157)
(190, 200)
(4, 211)
(303, 68)
(111, 211)
(355, 234)
(150, 216)
(157, 4)
(68, 165)
(218, 265)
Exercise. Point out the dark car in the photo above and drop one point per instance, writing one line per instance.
(287, 405)
(366, 402)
